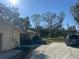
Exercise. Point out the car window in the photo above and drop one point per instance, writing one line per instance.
(73, 36)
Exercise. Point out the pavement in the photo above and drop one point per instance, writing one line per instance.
(9, 54)
(55, 51)
(31, 46)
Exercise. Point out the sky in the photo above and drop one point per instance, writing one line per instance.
(30, 7)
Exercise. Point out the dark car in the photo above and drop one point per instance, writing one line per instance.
(72, 40)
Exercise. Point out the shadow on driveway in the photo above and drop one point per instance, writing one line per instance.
(75, 46)
(38, 55)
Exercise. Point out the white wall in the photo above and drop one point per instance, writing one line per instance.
(9, 40)
(10, 33)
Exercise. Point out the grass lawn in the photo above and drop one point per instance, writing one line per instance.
(55, 40)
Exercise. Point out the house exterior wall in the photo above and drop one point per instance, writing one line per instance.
(10, 40)
(10, 36)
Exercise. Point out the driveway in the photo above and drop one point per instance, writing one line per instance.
(11, 54)
(55, 51)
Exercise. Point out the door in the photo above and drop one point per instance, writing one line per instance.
(0, 42)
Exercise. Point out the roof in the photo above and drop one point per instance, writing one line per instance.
(9, 23)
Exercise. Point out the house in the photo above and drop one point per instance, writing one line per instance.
(9, 35)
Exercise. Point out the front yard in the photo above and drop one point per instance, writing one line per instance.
(54, 40)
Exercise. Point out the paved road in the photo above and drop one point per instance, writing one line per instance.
(55, 51)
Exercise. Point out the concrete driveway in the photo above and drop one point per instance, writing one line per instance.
(55, 51)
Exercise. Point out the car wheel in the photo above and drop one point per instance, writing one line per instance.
(67, 44)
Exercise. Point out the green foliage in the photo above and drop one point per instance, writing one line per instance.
(44, 32)
(58, 32)
(72, 30)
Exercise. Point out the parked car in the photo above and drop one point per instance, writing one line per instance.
(72, 40)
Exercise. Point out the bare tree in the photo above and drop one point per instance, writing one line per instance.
(36, 20)
(53, 20)
(75, 12)
(10, 14)
(26, 23)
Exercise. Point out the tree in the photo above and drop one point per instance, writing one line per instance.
(57, 31)
(75, 12)
(49, 19)
(12, 15)
(9, 14)
(53, 21)
(72, 30)
(36, 19)
(60, 19)
(26, 23)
